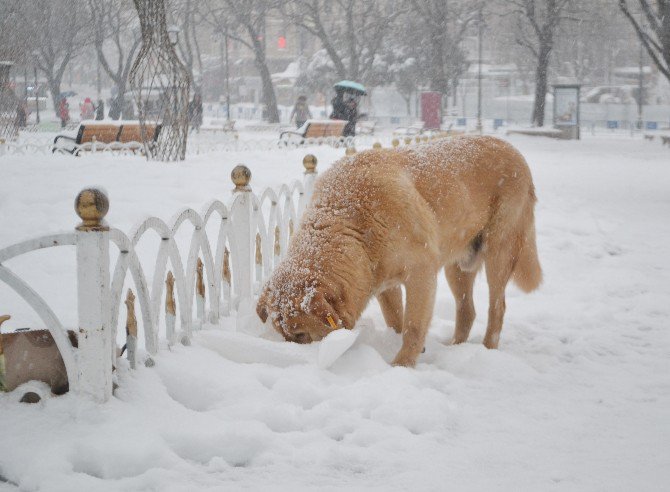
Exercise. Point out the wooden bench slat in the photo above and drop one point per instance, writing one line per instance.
(102, 133)
(323, 129)
(132, 133)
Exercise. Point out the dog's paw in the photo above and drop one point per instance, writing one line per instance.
(457, 341)
(491, 342)
(404, 360)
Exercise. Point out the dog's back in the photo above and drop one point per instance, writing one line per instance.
(474, 192)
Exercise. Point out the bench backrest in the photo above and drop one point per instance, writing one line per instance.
(132, 133)
(102, 133)
(325, 129)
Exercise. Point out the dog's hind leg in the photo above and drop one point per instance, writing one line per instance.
(461, 283)
(391, 303)
(500, 261)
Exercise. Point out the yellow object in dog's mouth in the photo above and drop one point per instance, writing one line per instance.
(331, 322)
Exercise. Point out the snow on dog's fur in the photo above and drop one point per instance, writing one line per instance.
(382, 219)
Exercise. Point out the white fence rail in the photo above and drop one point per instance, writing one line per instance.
(218, 274)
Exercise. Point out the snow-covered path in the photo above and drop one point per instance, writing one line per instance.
(577, 397)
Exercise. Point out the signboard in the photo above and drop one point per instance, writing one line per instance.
(431, 110)
(566, 109)
(566, 103)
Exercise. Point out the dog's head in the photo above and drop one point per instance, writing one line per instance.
(305, 319)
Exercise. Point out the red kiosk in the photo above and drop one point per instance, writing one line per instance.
(431, 110)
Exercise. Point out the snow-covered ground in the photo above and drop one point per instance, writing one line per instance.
(577, 397)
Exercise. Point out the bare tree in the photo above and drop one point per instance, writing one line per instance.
(445, 24)
(188, 15)
(57, 35)
(244, 21)
(14, 40)
(114, 22)
(351, 31)
(537, 22)
(656, 39)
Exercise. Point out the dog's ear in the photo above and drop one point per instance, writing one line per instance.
(261, 308)
(321, 308)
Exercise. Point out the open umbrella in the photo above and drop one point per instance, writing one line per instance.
(67, 94)
(349, 86)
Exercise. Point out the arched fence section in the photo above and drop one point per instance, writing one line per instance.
(190, 279)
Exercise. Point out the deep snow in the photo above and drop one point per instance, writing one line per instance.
(577, 397)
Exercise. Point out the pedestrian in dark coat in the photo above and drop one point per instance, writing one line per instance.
(195, 112)
(100, 110)
(22, 114)
(300, 111)
(63, 112)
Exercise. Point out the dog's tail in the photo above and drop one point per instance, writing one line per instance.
(527, 273)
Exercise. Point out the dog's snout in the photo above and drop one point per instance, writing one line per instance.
(302, 337)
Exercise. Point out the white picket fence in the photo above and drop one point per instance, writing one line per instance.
(218, 274)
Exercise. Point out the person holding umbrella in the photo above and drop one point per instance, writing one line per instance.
(345, 104)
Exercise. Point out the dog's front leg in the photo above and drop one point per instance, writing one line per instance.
(391, 303)
(420, 289)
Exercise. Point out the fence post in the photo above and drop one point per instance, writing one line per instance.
(94, 369)
(309, 162)
(243, 228)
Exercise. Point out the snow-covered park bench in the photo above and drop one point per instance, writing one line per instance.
(314, 129)
(225, 126)
(117, 134)
(413, 129)
(366, 127)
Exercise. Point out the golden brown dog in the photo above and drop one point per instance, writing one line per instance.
(382, 219)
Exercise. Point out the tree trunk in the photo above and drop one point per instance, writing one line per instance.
(438, 78)
(54, 89)
(541, 84)
(269, 98)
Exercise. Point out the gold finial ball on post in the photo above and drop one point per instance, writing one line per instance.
(309, 162)
(350, 151)
(241, 176)
(395, 142)
(91, 206)
(408, 140)
(377, 145)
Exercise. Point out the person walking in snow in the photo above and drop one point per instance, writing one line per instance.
(100, 110)
(87, 110)
(300, 112)
(63, 112)
(195, 112)
(22, 114)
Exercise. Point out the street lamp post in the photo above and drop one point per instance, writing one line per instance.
(37, 101)
(173, 35)
(640, 88)
(480, 28)
(227, 77)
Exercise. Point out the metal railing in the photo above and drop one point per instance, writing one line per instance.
(221, 273)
